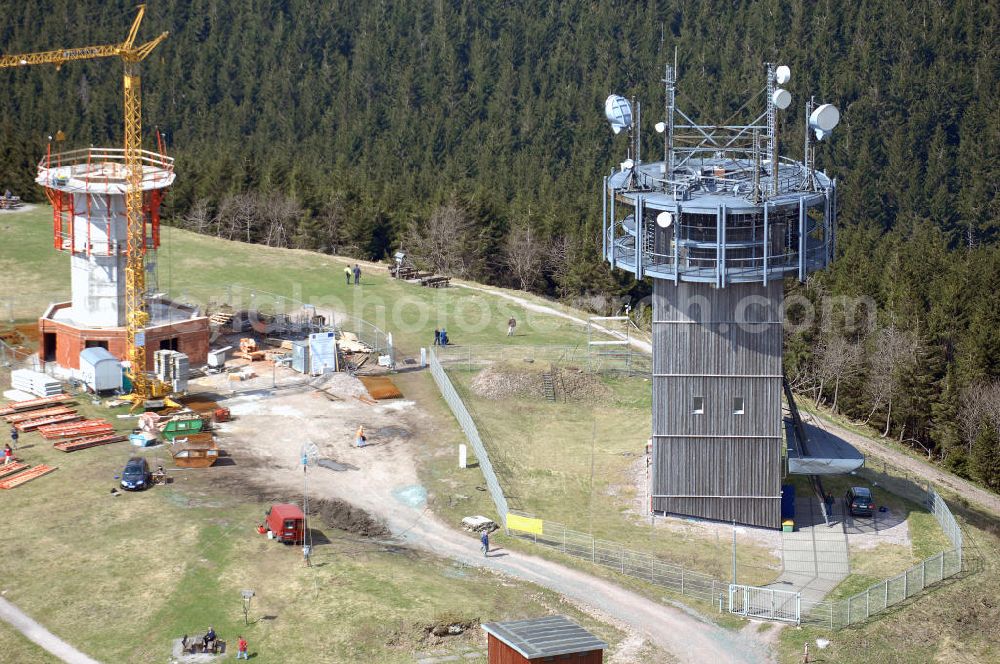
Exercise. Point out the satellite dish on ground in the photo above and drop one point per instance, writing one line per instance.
(781, 98)
(664, 219)
(782, 74)
(618, 111)
(824, 119)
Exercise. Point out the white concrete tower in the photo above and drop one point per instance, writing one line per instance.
(87, 191)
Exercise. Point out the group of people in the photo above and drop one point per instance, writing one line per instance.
(440, 337)
(353, 272)
(208, 643)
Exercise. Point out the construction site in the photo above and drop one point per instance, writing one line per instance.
(218, 456)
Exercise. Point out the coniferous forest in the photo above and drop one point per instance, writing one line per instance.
(477, 127)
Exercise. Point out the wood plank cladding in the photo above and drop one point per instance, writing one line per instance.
(717, 401)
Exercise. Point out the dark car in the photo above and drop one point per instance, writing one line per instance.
(136, 474)
(859, 502)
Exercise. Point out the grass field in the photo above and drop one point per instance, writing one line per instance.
(578, 463)
(198, 268)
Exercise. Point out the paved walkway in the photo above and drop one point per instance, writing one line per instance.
(23, 623)
(814, 557)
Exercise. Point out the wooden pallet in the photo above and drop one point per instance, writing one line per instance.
(37, 414)
(12, 467)
(31, 425)
(88, 441)
(20, 406)
(26, 476)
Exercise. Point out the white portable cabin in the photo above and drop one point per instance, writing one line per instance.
(100, 370)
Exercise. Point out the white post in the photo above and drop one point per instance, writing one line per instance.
(423, 358)
(463, 453)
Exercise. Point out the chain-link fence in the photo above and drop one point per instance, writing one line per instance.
(836, 614)
(465, 420)
(613, 556)
(281, 313)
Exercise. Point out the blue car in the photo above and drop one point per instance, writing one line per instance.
(136, 475)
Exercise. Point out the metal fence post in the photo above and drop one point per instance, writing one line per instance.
(886, 605)
(682, 581)
(923, 574)
(942, 565)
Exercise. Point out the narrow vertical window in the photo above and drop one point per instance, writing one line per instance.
(738, 405)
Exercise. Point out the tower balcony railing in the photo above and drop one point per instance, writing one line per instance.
(681, 266)
(103, 169)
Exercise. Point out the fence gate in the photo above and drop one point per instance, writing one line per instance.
(764, 603)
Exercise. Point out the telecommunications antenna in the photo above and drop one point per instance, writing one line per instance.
(781, 98)
(824, 119)
(618, 111)
(664, 219)
(782, 74)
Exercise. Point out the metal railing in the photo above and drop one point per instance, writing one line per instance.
(837, 614)
(465, 420)
(635, 564)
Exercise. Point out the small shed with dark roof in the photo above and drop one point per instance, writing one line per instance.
(548, 639)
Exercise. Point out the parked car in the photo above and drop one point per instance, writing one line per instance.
(859, 501)
(136, 474)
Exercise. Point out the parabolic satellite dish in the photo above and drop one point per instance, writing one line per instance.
(618, 110)
(781, 98)
(824, 119)
(782, 74)
(664, 219)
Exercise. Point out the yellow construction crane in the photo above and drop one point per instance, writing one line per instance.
(145, 387)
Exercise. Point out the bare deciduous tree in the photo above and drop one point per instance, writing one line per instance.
(199, 217)
(524, 255)
(443, 242)
(893, 349)
(836, 360)
(980, 405)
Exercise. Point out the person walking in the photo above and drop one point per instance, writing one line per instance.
(8, 454)
(241, 648)
(347, 274)
(437, 337)
(484, 544)
(511, 324)
(359, 437)
(357, 274)
(14, 435)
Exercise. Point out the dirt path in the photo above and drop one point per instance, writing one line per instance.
(638, 344)
(23, 623)
(382, 479)
(974, 494)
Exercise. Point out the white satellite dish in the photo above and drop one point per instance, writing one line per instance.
(660, 127)
(664, 219)
(824, 119)
(782, 74)
(618, 111)
(627, 164)
(781, 98)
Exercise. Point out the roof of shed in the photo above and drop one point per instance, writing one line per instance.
(545, 637)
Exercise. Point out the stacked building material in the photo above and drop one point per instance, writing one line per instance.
(25, 476)
(14, 418)
(11, 468)
(52, 420)
(89, 441)
(35, 382)
(76, 429)
(21, 406)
